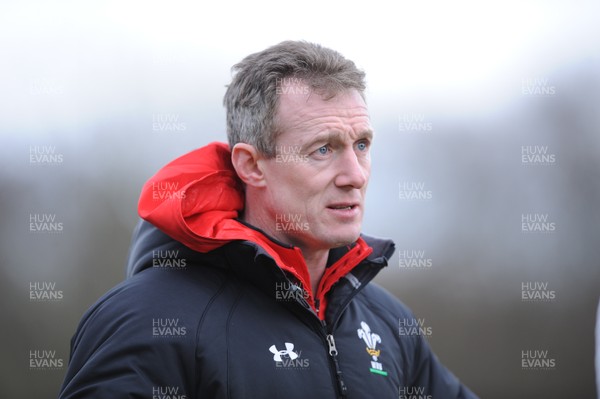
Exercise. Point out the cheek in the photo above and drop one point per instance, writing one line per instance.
(298, 186)
(291, 176)
(367, 169)
(366, 163)
(286, 185)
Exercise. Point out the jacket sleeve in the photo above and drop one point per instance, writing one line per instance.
(117, 352)
(431, 376)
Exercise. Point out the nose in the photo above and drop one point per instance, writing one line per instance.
(352, 171)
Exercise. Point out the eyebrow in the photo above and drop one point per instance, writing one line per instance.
(333, 136)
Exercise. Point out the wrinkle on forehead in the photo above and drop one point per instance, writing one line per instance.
(301, 110)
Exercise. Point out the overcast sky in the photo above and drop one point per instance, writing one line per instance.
(69, 64)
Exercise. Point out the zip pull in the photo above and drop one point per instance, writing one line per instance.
(331, 343)
(333, 352)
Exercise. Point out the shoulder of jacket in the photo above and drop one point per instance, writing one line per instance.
(381, 302)
(156, 294)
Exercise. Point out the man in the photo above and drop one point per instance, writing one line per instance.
(249, 277)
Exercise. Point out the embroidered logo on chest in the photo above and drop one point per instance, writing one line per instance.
(371, 340)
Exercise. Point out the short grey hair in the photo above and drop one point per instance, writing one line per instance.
(252, 97)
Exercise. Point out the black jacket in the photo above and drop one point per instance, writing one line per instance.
(231, 323)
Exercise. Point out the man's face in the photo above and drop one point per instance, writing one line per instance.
(317, 182)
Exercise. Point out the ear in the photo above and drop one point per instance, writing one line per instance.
(246, 162)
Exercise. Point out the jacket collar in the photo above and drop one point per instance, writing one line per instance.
(196, 200)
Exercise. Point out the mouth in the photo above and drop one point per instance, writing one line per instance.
(344, 212)
(343, 206)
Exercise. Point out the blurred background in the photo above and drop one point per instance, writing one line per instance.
(486, 165)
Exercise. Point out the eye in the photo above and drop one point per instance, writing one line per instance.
(323, 150)
(362, 146)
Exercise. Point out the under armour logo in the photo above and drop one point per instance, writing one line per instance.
(289, 351)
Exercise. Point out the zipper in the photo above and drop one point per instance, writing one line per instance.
(332, 349)
(320, 328)
(343, 390)
(326, 332)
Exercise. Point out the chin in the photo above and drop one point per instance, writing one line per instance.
(343, 240)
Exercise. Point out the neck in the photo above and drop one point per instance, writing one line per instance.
(316, 260)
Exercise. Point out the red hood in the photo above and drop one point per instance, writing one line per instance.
(196, 199)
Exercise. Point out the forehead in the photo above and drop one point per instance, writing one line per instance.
(301, 108)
